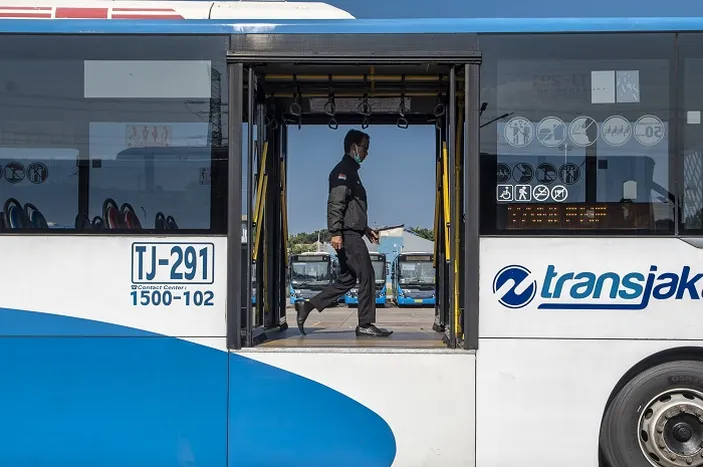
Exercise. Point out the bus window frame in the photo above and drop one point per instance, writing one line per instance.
(488, 213)
(84, 163)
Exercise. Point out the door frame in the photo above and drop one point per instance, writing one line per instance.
(455, 49)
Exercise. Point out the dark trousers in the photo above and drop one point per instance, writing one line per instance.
(354, 263)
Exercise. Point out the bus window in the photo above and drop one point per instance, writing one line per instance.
(691, 62)
(569, 121)
(42, 180)
(104, 143)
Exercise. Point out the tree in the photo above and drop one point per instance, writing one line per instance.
(298, 248)
(424, 233)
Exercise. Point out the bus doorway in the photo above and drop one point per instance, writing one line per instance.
(286, 91)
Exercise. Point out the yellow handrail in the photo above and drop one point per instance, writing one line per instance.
(259, 213)
(259, 191)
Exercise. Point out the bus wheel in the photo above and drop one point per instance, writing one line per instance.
(657, 417)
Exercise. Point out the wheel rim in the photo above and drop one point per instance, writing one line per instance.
(670, 429)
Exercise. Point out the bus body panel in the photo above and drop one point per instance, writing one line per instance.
(112, 401)
(562, 320)
(548, 386)
(108, 280)
(631, 288)
(377, 429)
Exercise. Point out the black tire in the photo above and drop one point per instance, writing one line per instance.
(619, 436)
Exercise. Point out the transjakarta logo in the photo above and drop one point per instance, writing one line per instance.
(516, 287)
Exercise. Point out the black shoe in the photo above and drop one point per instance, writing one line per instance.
(302, 309)
(372, 331)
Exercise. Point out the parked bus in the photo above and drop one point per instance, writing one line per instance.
(380, 269)
(335, 274)
(253, 284)
(413, 279)
(309, 273)
(574, 208)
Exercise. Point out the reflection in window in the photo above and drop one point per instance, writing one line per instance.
(38, 187)
(155, 167)
(576, 131)
(126, 134)
(692, 177)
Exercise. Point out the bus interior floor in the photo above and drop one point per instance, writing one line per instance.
(334, 327)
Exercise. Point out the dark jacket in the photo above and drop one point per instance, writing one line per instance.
(346, 204)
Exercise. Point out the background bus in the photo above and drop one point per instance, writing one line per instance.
(413, 278)
(253, 284)
(335, 274)
(309, 273)
(378, 260)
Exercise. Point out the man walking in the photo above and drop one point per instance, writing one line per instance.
(347, 222)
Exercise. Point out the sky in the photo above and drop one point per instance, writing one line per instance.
(399, 175)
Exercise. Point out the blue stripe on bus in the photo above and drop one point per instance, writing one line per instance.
(352, 26)
(164, 401)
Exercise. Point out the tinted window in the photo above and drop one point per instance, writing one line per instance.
(113, 131)
(575, 133)
(691, 69)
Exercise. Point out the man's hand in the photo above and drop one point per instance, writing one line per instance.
(372, 235)
(336, 242)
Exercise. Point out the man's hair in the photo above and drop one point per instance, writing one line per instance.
(354, 137)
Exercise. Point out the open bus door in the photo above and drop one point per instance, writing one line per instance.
(265, 144)
(315, 56)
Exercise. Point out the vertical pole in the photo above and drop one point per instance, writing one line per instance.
(257, 312)
(451, 162)
(283, 138)
(438, 238)
(472, 178)
(251, 121)
(676, 134)
(234, 201)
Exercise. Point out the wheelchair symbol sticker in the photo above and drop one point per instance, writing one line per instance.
(504, 193)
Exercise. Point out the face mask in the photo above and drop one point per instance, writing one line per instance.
(356, 157)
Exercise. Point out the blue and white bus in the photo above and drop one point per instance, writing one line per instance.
(413, 279)
(570, 173)
(380, 270)
(309, 273)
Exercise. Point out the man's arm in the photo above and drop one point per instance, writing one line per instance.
(337, 203)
